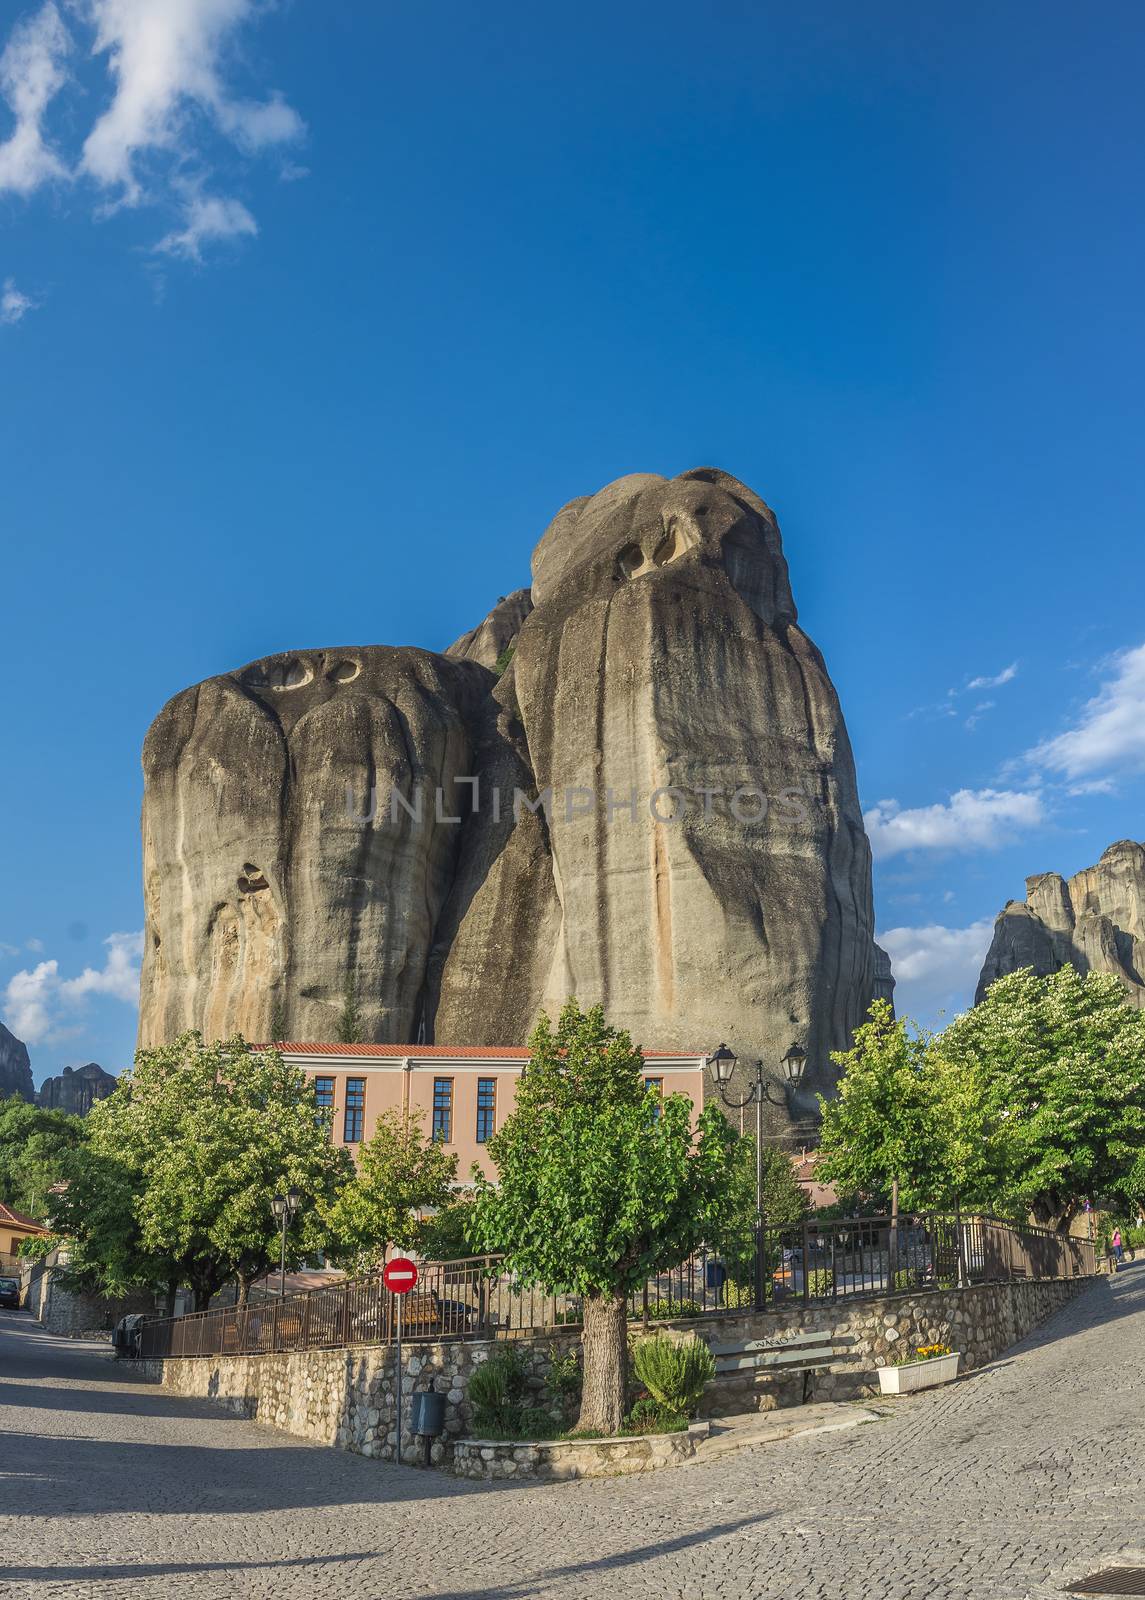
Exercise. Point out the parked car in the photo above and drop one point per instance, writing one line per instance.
(127, 1336)
(10, 1292)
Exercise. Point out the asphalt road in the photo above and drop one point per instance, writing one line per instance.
(996, 1488)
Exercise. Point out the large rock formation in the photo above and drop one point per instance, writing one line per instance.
(76, 1089)
(1094, 921)
(15, 1068)
(696, 858)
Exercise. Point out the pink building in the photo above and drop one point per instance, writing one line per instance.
(465, 1095)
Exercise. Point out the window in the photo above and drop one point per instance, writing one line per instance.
(486, 1108)
(443, 1110)
(355, 1114)
(324, 1098)
(655, 1086)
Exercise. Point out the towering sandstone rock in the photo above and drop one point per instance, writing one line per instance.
(1094, 921)
(15, 1068)
(656, 665)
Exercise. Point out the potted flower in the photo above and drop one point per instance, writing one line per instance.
(925, 1368)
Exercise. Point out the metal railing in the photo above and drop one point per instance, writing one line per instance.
(811, 1262)
(473, 1299)
(859, 1256)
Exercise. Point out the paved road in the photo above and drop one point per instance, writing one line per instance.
(988, 1490)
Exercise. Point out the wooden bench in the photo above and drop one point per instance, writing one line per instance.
(421, 1313)
(795, 1355)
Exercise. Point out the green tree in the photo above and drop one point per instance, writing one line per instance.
(349, 1028)
(600, 1185)
(1044, 1082)
(399, 1173)
(184, 1158)
(33, 1145)
(885, 1128)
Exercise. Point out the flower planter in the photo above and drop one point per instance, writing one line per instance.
(919, 1374)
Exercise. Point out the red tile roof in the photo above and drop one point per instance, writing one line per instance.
(17, 1219)
(502, 1052)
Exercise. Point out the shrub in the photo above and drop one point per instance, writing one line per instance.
(662, 1310)
(563, 1381)
(674, 1372)
(497, 1391)
(648, 1416)
(905, 1278)
(821, 1281)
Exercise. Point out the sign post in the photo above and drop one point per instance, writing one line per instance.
(399, 1277)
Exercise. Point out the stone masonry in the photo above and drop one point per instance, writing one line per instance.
(346, 1397)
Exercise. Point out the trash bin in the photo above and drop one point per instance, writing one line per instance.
(127, 1336)
(716, 1275)
(427, 1413)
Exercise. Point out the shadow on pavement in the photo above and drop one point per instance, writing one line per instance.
(515, 1590)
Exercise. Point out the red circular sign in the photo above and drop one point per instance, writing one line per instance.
(399, 1275)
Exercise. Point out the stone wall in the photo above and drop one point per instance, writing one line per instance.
(345, 1398)
(575, 1458)
(71, 1315)
(981, 1321)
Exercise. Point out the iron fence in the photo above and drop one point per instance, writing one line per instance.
(477, 1298)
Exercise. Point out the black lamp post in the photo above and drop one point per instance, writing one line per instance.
(722, 1064)
(284, 1207)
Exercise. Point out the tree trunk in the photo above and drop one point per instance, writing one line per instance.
(244, 1283)
(605, 1344)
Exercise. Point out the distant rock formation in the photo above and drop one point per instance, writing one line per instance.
(489, 643)
(76, 1089)
(1094, 921)
(884, 977)
(692, 853)
(15, 1068)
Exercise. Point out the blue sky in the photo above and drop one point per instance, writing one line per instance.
(312, 316)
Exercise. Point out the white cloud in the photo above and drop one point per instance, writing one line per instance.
(165, 60)
(31, 75)
(1006, 675)
(37, 1001)
(166, 64)
(1111, 729)
(13, 304)
(208, 219)
(978, 713)
(973, 819)
(936, 968)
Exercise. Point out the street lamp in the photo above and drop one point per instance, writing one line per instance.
(284, 1207)
(721, 1065)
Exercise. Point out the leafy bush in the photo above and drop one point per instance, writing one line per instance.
(497, 1392)
(563, 1381)
(905, 1278)
(674, 1372)
(820, 1281)
(662, 1310)
(444, 1237)
(649, 1416)
(534, 1422)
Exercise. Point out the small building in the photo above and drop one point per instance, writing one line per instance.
(15, 1227)
(818, 1190)
(465, 1094)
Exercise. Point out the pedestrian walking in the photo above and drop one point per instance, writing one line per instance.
(1118, 1251)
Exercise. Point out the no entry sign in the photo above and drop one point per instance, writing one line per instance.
(399, 1275)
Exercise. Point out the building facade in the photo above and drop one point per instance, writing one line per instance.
(463, 1095)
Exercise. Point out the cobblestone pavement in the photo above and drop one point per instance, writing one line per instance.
(991, 1489)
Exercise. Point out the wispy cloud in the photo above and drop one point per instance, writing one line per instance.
(936, 968)
(38, 1003)
(164, 61)
(978, 713)
(208, 219)
(1007, 675)
(32, 73)
(972, 819)
(1109, 732)
(14, 304)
